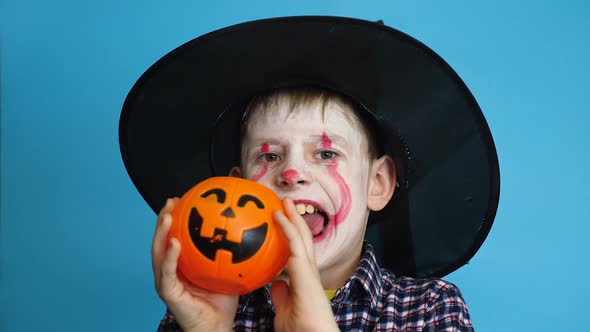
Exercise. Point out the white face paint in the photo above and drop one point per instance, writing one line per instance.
(320, 160)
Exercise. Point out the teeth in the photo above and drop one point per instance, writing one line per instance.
(302, 208)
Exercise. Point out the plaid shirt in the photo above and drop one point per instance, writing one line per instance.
(373, 299)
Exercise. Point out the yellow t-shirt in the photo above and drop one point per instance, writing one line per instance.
(330, 293)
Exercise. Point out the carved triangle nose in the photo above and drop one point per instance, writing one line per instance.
(228, 213)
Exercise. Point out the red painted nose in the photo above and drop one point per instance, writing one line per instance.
(290, 176)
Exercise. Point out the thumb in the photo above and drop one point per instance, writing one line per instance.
(279, 294)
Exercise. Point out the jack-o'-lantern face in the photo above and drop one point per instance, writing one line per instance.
(230, 242)
(219, 231)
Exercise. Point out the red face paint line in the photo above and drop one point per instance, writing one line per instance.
(345, 206)
(260, 173)
(326, 141)
(290, 175)
(344, 192)
(342, 212)
(264, 149)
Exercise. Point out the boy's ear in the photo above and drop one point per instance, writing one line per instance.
(382, 182)
(235, 172)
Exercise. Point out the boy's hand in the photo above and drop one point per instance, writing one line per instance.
(194, 309)
(302, 305)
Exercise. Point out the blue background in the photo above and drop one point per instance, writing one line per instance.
(75, 235)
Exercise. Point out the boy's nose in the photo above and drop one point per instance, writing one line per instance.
(291, 177)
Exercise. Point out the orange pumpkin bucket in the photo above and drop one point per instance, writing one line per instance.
(230, 242)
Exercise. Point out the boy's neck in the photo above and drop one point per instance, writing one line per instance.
(335, 276)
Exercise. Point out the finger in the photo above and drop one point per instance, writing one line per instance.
(301, 226)
(300, 267)
(168, 277)
(159, 241)
(296, 245)
(279, 295)
(170, 202)
(158, 250)
(157, 246)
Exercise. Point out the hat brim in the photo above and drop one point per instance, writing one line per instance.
(443, 213)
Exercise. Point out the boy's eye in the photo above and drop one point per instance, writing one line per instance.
(326, 154)
(270, 157)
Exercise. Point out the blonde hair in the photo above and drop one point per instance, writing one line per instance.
(301, 98)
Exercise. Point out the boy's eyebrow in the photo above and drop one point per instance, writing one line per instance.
(334, 138)
(259, 143)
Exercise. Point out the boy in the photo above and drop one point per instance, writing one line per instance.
(327, 157)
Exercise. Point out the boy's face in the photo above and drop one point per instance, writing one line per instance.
(320, 160)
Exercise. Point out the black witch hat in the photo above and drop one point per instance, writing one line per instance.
(180, 124)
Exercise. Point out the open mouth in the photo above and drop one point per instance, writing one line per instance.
(316, 219)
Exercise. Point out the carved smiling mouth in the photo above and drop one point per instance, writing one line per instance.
(317, 220)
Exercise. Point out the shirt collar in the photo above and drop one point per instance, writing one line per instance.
(256, 298)
(367, 278)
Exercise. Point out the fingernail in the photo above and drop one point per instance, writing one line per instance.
(167, 218)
